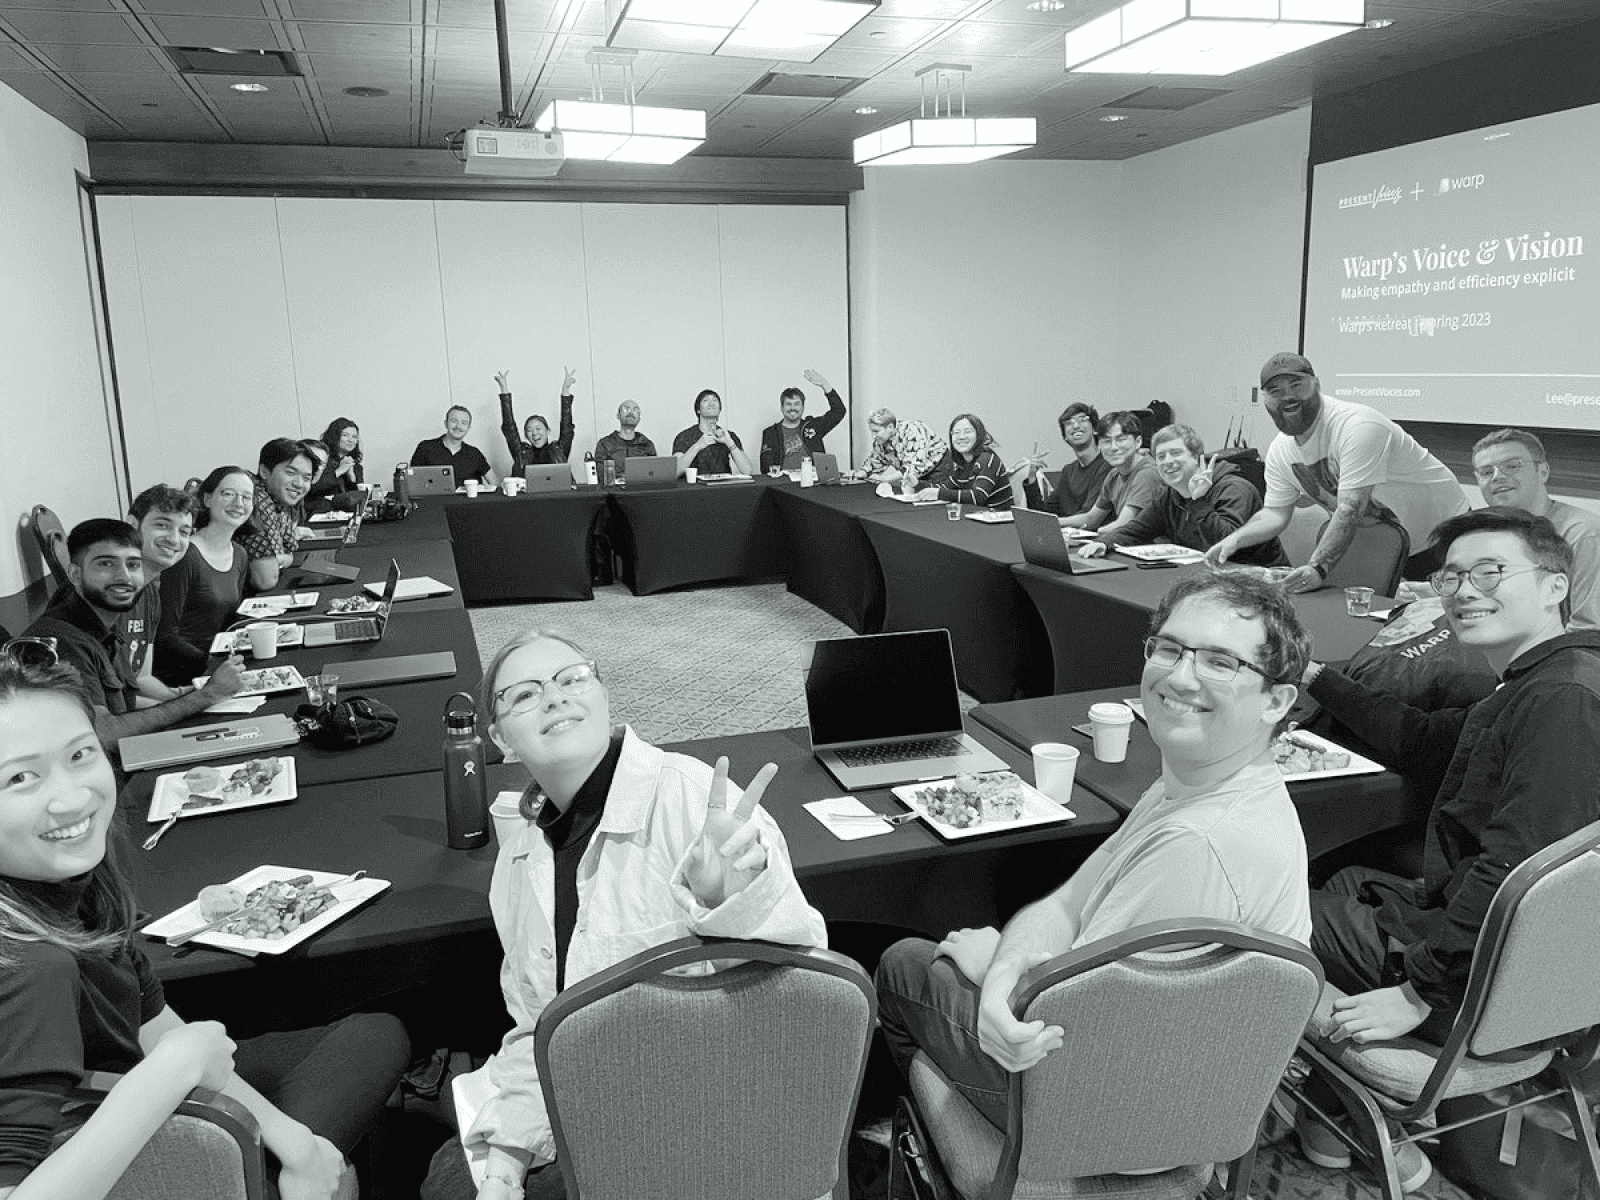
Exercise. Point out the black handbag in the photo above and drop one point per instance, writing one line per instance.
(354, 721)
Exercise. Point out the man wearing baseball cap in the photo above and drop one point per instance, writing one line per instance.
(1354, 462)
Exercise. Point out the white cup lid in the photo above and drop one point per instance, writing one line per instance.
(1110, 713)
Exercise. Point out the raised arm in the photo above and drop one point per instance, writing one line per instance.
(567, 426)
(508, 421)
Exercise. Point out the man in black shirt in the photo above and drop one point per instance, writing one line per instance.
(452, 450)
(1080, 480)
(107, 572)
(706, 446)
(785, 443)
(626, 442)
(164, 519)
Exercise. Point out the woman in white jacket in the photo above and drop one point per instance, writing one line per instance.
(625, 847)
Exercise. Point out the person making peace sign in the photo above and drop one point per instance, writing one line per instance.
(1204, 501)
(623, 847)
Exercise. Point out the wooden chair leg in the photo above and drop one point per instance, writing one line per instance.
(1583, 1126)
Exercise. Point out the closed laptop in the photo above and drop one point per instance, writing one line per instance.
(244, 736)
(392, 669)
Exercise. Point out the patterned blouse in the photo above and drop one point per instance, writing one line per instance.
(913, 449)
(274, 527)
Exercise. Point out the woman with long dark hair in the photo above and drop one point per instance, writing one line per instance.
(341, 474)
(78, 995)
(201, 591)
(970, 473)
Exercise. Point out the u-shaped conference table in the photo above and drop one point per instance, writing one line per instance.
(874, 563)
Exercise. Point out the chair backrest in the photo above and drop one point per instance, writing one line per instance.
(1528, 981)
(732, 1083)
(209, 1147)
(1171, 1055)
(1375, 558)
(51, 536)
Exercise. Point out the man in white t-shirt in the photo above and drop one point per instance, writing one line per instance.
(1512, 470)
(1354, 462)
(1215, 837)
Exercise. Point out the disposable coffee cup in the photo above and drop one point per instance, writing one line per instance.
(1054, 765)
(263, 639)
(509, 485)
(692, 475)
(472, 488)
(1111, 722)
(506, 814)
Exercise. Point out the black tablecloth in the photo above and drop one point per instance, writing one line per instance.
(695, 534)
(957, 575)
(422, 523)
(830, 560)
(1097, 623)
(1333, 812)
(530, 547)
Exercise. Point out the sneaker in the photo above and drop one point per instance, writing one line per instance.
(1413, 1166)
(1321, 1145)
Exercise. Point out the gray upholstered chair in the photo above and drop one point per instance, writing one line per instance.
(51, 538)
(1172, 1052)
(1375, 559)
(209, 1147)
(736, 1083)
(1532, 1001)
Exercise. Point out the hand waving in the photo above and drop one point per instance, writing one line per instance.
(503, 380)
(728, 854)
(567, 380)
(815, 379)
(1200, 482)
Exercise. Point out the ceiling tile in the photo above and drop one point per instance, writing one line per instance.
(87, 6)
(247, 9)
(344, 70)
(379, 40)
(974, 37)
(208, 31)
(83, 29)
(524, 15)
(12, 59)
(111, 59)
(889, 33)
(935, 9)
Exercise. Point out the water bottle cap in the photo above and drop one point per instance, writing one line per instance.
(458, 722)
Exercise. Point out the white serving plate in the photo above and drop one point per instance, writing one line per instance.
(1360, 765)
(1037, 810)
(351, 897)
(991, 516)
(260, 681)
(1162, 552)
(276, 606)
(170, 793)
(290, 634)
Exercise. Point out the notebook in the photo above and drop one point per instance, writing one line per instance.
(358, 629)
(1043, 545)
(883, 709)
(658, 472)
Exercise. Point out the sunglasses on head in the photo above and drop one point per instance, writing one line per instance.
(30, 651)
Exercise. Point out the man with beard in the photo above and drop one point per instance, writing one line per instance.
(1081, 479)
(626, 442)
(1354, 462)
(283, 478)
(785, 443)
(107, 573)
(164, 519)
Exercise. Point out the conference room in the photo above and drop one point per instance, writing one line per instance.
(678, 285)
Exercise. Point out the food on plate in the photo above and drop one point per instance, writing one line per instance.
(270, 679)
(279, 907)
(969, 800)
(1295, 753)
(219, 900)
(352, 604)
(208, 785)
(203, 781)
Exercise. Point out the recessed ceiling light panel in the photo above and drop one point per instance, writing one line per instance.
(248, 87)
(788, 30)
(1205, 37)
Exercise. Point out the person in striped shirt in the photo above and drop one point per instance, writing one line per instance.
(970, 472)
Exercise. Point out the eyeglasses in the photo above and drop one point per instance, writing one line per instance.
(1485, 578)
(1081, 419)
(527, 694)
(31, 651)
(1509, 466)
(1216, 666)
(1119, 439)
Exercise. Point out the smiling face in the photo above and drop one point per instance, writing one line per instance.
(458, 424)
(289, 482)
(1117, 447)
(233, 501)
(793, 408)
(109, 576)
(1294, 402)
(57, 791)
(1199, 723)
(349, 439)
(1078, 432)
(1508, 474)
(558, 732)
(1521, 610)
(536, 431)
(963, 438)
(1176, 463)
(166, 537)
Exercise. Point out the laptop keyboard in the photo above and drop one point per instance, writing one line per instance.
(900, 752)
(362, 627)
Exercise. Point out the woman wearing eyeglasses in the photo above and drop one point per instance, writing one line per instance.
(624, 847)
(971, 473)
(201, 592)
(77, 994)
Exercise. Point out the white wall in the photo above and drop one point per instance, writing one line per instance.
(238, 319)
(990, 289)
(52, 407)
(1212, 239)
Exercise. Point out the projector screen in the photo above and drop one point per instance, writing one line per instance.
(1454, 279)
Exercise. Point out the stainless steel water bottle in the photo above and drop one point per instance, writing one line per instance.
(402, 483)
(466, 792)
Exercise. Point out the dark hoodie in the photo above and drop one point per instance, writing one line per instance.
(1517, 771)
(1200, 524)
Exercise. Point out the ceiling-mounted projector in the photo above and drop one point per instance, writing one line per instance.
(515, 153)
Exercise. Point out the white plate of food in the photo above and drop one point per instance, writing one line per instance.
(1162, 552)
(277, 908)
(258, 607)
(226, 642)
(1304, 756)
(202, 790)
(260, 681)
(969, 805)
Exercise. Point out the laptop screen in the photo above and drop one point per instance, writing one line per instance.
(881, 686)
(390, 586)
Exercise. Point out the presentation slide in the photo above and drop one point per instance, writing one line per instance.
(1454, 279)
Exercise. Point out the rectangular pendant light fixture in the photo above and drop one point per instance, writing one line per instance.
(1205, 37)
(790, 30)
(609, 132)
(949, 139)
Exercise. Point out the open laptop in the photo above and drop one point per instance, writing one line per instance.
(657, 472)
(883, 709)
(548, 477)
(431, 481)
(364, 628)
(1044, 546)
(827, 468)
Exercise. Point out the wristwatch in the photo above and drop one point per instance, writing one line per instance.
(514, 1187)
